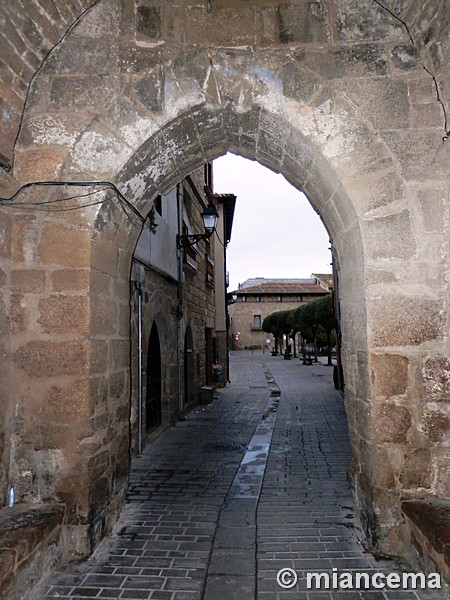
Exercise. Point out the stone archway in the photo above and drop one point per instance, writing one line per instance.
(322, 117)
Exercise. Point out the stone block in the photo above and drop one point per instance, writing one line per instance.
(173, 21)
(103, 317)
(62, 246)
(226, 26)
(134, 59)
(352, 27)
(99, 151)
(415, 151)
(150, 89)
(405, 57)
(99, 356)
(5, 235)
(51, 358)
(100, 21)
(69, 280)
(23, 238)
(28, 281)
(359, 60)
(148, 169)
(380, 189)
(299, 83)
(65, 58)
(44, 164)
(382, 472)
(373, 96)
(105, 256)
(416, 472)
(98, 58)
(64, 314)
(433, 207)
(391, 422)
(436, 377)
(389, 374)
(83, 92)
(267, 26)
(435, 425)
(404, 321)
(148, 21)
(390, 236)
(66, 403)
(304, 23)
(19, 313)
(121, 353)
(194, 65)
(117, 384)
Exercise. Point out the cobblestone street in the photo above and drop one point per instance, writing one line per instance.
(253, 483)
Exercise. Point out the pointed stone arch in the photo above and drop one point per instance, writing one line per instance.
(160, 111)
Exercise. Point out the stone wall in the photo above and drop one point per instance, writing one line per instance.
(70, 346)
(26, 39)
(331, 94)
(159, 306)
(198, 296)
(5, 353)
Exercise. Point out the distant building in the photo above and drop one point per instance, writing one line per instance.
(257, 298)
(324, 279)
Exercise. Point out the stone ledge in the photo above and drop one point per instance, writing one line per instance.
(26, 532)
(431, 518)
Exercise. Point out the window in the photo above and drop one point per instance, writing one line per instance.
(243, 298)
(279, 298)
(209, 265)
(257, 298)
(157, 203)
(257, 323)
(208, 176)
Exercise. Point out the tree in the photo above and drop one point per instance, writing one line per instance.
(309, 317)
(270, 325)
(277, 323)
(324, 314)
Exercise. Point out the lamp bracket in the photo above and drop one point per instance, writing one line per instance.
(189, 240)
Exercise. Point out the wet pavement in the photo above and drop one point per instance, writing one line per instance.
(220, 503)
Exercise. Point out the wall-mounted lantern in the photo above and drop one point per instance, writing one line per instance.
(210, 218)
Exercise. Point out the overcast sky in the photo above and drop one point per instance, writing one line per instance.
(276, 232)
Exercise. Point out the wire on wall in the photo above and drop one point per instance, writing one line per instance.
(49, 205)
(44, 60)
(436, 85)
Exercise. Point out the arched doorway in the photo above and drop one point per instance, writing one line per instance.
(188, 366)
(323, 118)
(153, 403)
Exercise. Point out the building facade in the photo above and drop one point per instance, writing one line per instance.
(178, 307)
(255, 299)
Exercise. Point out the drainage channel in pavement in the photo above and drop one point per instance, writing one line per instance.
(231, 573)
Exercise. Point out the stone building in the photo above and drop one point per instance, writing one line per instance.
(255, 299)
(113, 102)
(178, 306)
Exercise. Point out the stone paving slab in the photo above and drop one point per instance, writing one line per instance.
(246, 486)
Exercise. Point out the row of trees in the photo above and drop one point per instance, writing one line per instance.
(312, 321)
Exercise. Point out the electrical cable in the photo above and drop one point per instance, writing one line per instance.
(438, 94)
(398, 19)
(72, 26)
(219, 240)
(436, 85)
(123, 202)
